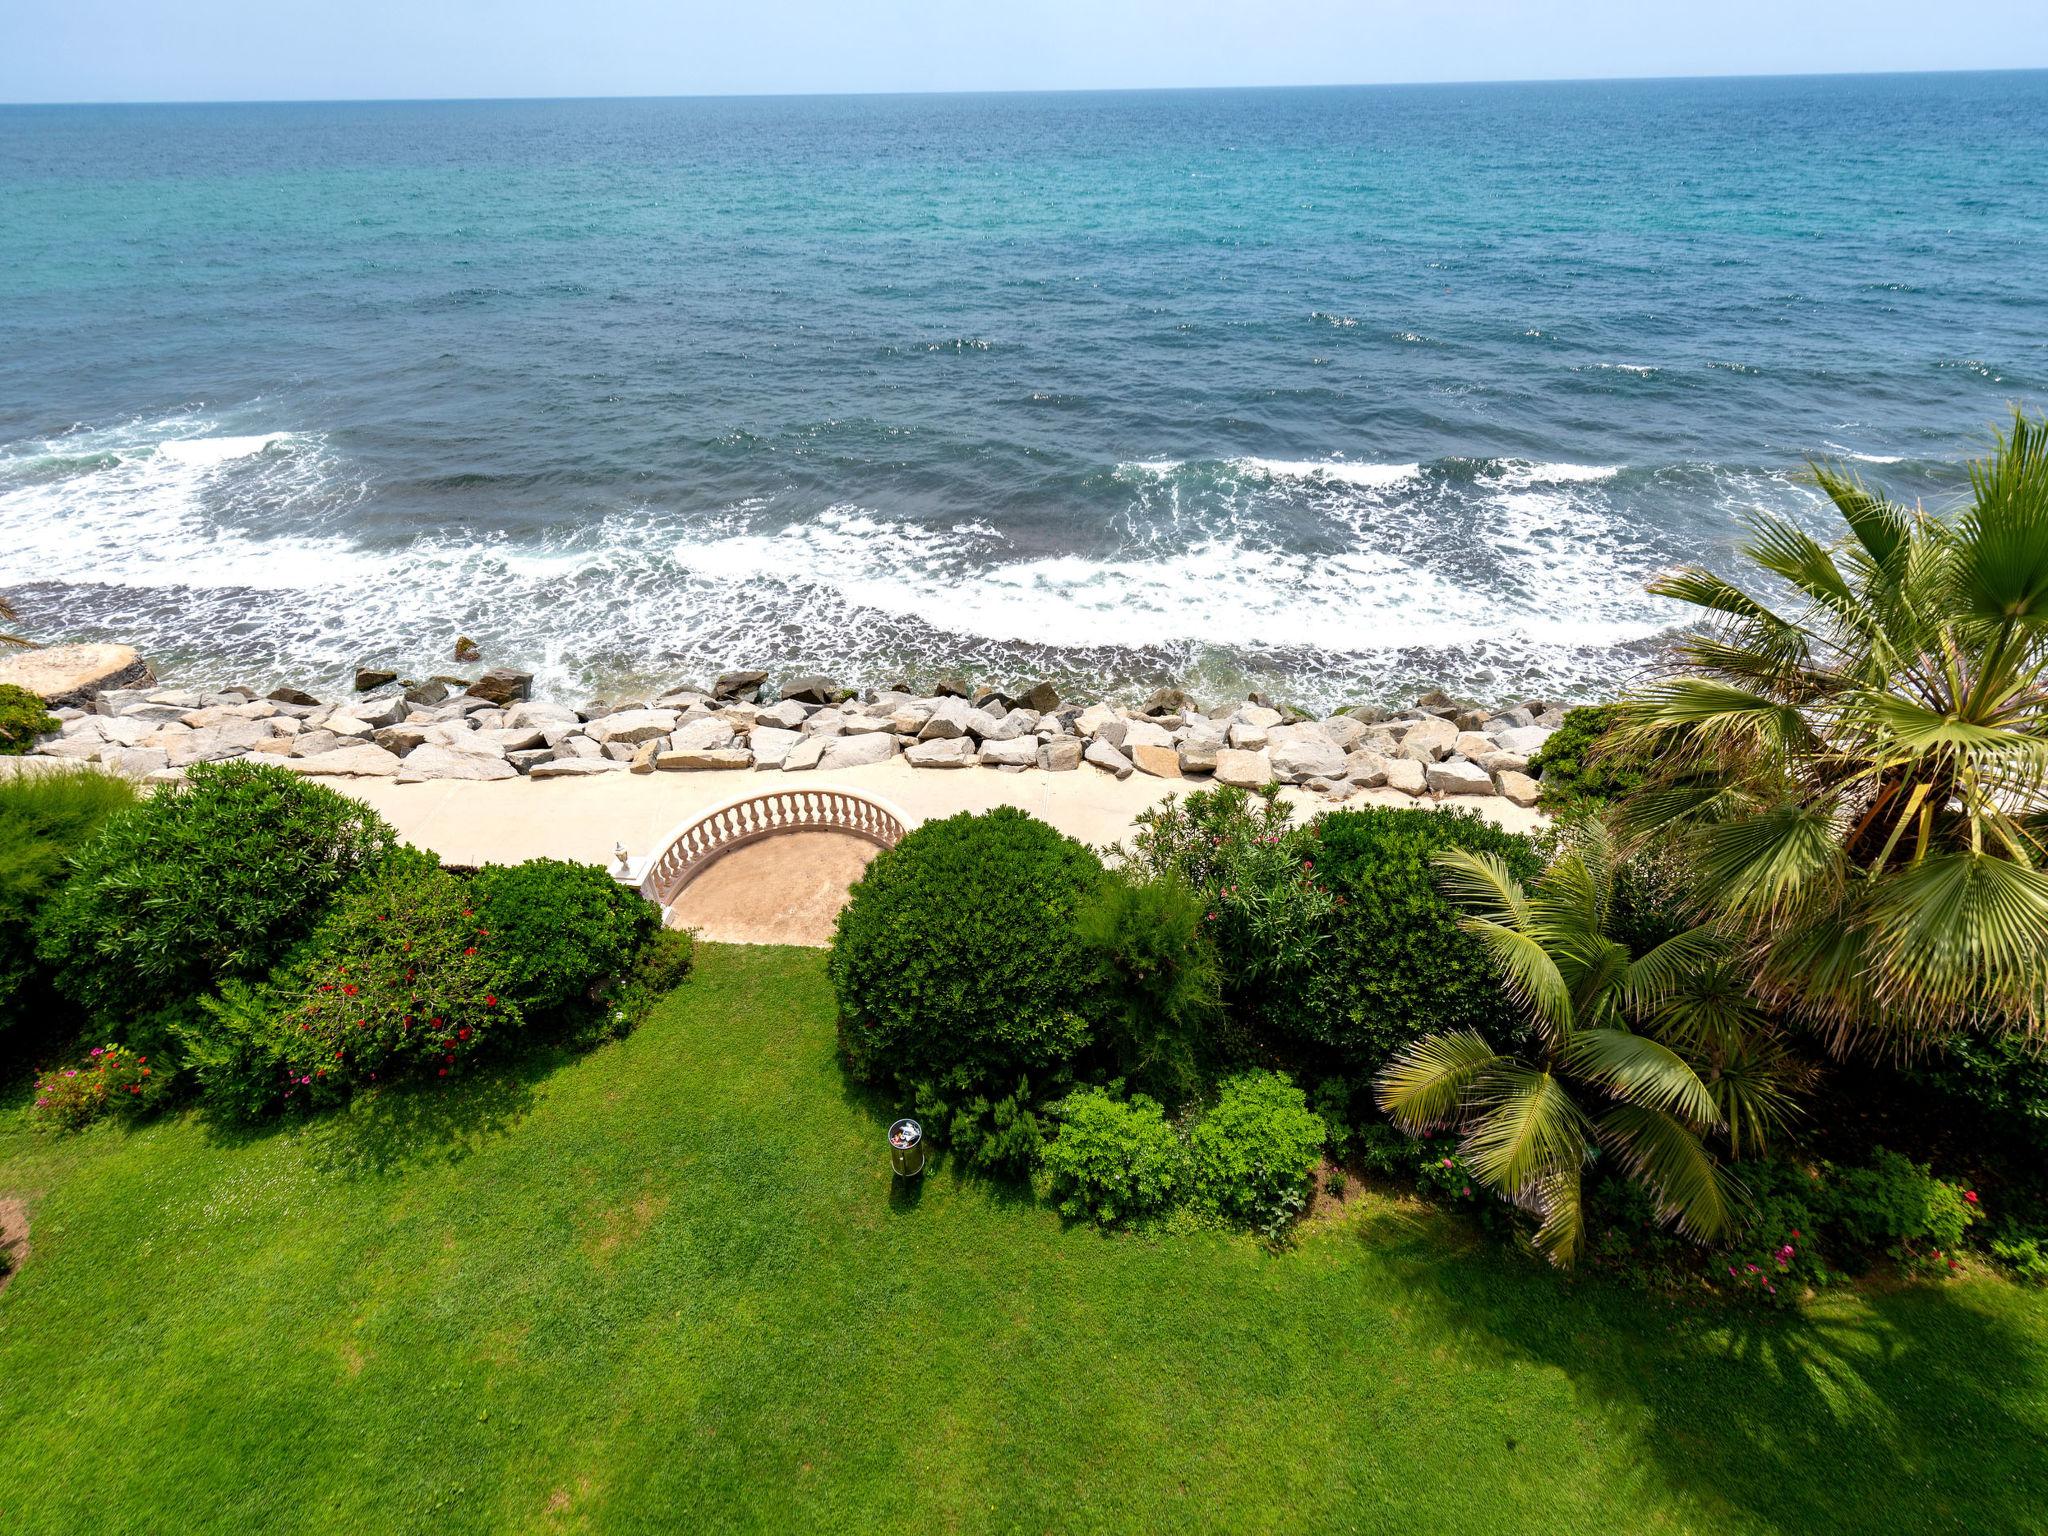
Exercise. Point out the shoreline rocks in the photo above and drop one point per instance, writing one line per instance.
(113, 714)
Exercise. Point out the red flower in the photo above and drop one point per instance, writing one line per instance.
(1970, 1195)
(490, 1001)
(444, 1072)
(462, 1033)
(471, 950)
(349, 990)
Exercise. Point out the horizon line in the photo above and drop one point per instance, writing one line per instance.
(1083, 90)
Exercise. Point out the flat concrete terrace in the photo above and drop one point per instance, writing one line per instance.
(789, 888)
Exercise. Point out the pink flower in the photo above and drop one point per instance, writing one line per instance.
(1970, 1195)
(1445, 1163)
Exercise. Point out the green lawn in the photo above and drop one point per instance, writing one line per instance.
(668, 1286)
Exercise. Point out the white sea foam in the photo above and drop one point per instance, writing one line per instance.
(1520, 472)
(208, 451)
(1334, 471)
(1866, 458)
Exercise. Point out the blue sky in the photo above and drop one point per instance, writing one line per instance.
(216, 50)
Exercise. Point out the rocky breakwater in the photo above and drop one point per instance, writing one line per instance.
(493, 729)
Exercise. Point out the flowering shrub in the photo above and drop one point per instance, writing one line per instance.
(1443, 1176)
(1898, 1205)
(402, 978)
(1114, 1160)
(1253, 1157)
(110, 1081)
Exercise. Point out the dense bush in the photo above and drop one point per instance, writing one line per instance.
(109, 1081)
(45, 819)
(23, 718)
(1114, 1160)
(565, 934)
(1393, 964)
(214, 878)
(1154, 983)
(1584, 766)
(957, 959)
(1246, 862)
(1897, 1206)
(399, 979)
(1254, 1155)
(994, 1132)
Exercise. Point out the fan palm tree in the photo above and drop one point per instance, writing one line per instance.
(1643, 1058)
(1862, 776)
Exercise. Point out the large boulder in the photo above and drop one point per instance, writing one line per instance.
(950, 718)
(1516, 788)
(1107, 758)
(1143, 733)
(438, 762)
(1245, 769)
(949, 752)
(812, 689)
(73, 674)
(704, 759)
(1015, 752)
(738, 685)
(1159, 762)
(771, 744)
(574, 768)
(1526, 740)
(1406, 775)
(857, 751)
(1455, 776)
(1428, 741)
(368, 679)
(804, 756)
(1366, 768)
(713, 735)
(1061, 754)
(501, 685)
(364, 760)
(1042, 697)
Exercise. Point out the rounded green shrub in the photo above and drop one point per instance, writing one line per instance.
(1583, 767)
(214, 878)
(23, 717)
(1391, 963)
(400, 979)
(565, 934)
(1114, 1160)
(45, 819)
(957, 957)
(1253, 1157)
(1155, 984)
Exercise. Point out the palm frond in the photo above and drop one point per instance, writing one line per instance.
(1524, 1128)
(1654, 976)
(2002, 570)
(1642, 1071)
(1424, 1085)
(1692, 1190)
(1759, 865)
(1528, 971)
(1959, 932)
(1482, 884)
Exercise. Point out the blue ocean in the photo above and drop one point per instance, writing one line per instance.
(1332, 392)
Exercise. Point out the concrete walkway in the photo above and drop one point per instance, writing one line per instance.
(504, 821)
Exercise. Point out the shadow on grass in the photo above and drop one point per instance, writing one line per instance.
(409, 1125)
(879, 1104)
(1907, 1409)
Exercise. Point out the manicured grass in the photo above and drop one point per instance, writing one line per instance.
(668, 1286)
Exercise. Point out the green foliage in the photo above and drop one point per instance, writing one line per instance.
(400, 979)
(958, 955)
(23, 718)
(1899, 1206)
(1587, 765)
(1114, 1160)
(1248, 867)
(1393, 963)
(2025, 1258)
(1154, 984)
(108, 1081)
(664, 963)
(214, 878)
(45, 819)
(1992, 1079)
(1858, 758)
(1254, 1155)
(987, 1131)
(565, 934)
(1644, 1058)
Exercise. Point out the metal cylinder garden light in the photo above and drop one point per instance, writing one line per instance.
(906, 1149)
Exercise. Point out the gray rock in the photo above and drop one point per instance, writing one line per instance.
(950, 718)
(509, 739)
(373, 712)
(1042, 697)
(1455, 776)
(1015, 724)
(233, 738)
(1471, 744)
(826, 722)
(952, 686)
(1527, 740)
(74, 674)
(1511, 719)
(789, 715)
(525, 760)
(737, 685)
(432, 691)
(712, 735)
(438, 762)
(1145, 733)
(857, 751)
(1113, 733)
(704, 759)
(402, 739)
(804, 756)
(1344, 731)
(578, 749)
(1062, 754)
(1258, 715)
(313, 743)
(1502, 762)
(369, 679)
(1366, 768)
(1244, 768)
(1093, 718)
(1248, 737)
(950, 752)
(540, 717)
(502, 685)
(134, 762)
(633, 726)
(1407, 775)
(1516, 788)
(1106, 757)
(1306, 757)
(574, 768)
(771, 744)
(1428, 741)
(363, 760)
(814, 689)
(292, 696)
(1014, 752)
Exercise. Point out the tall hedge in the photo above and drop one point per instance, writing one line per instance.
(958, 958)
(1391, 962)
(214, 878)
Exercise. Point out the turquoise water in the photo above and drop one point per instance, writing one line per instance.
(1333, 391)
